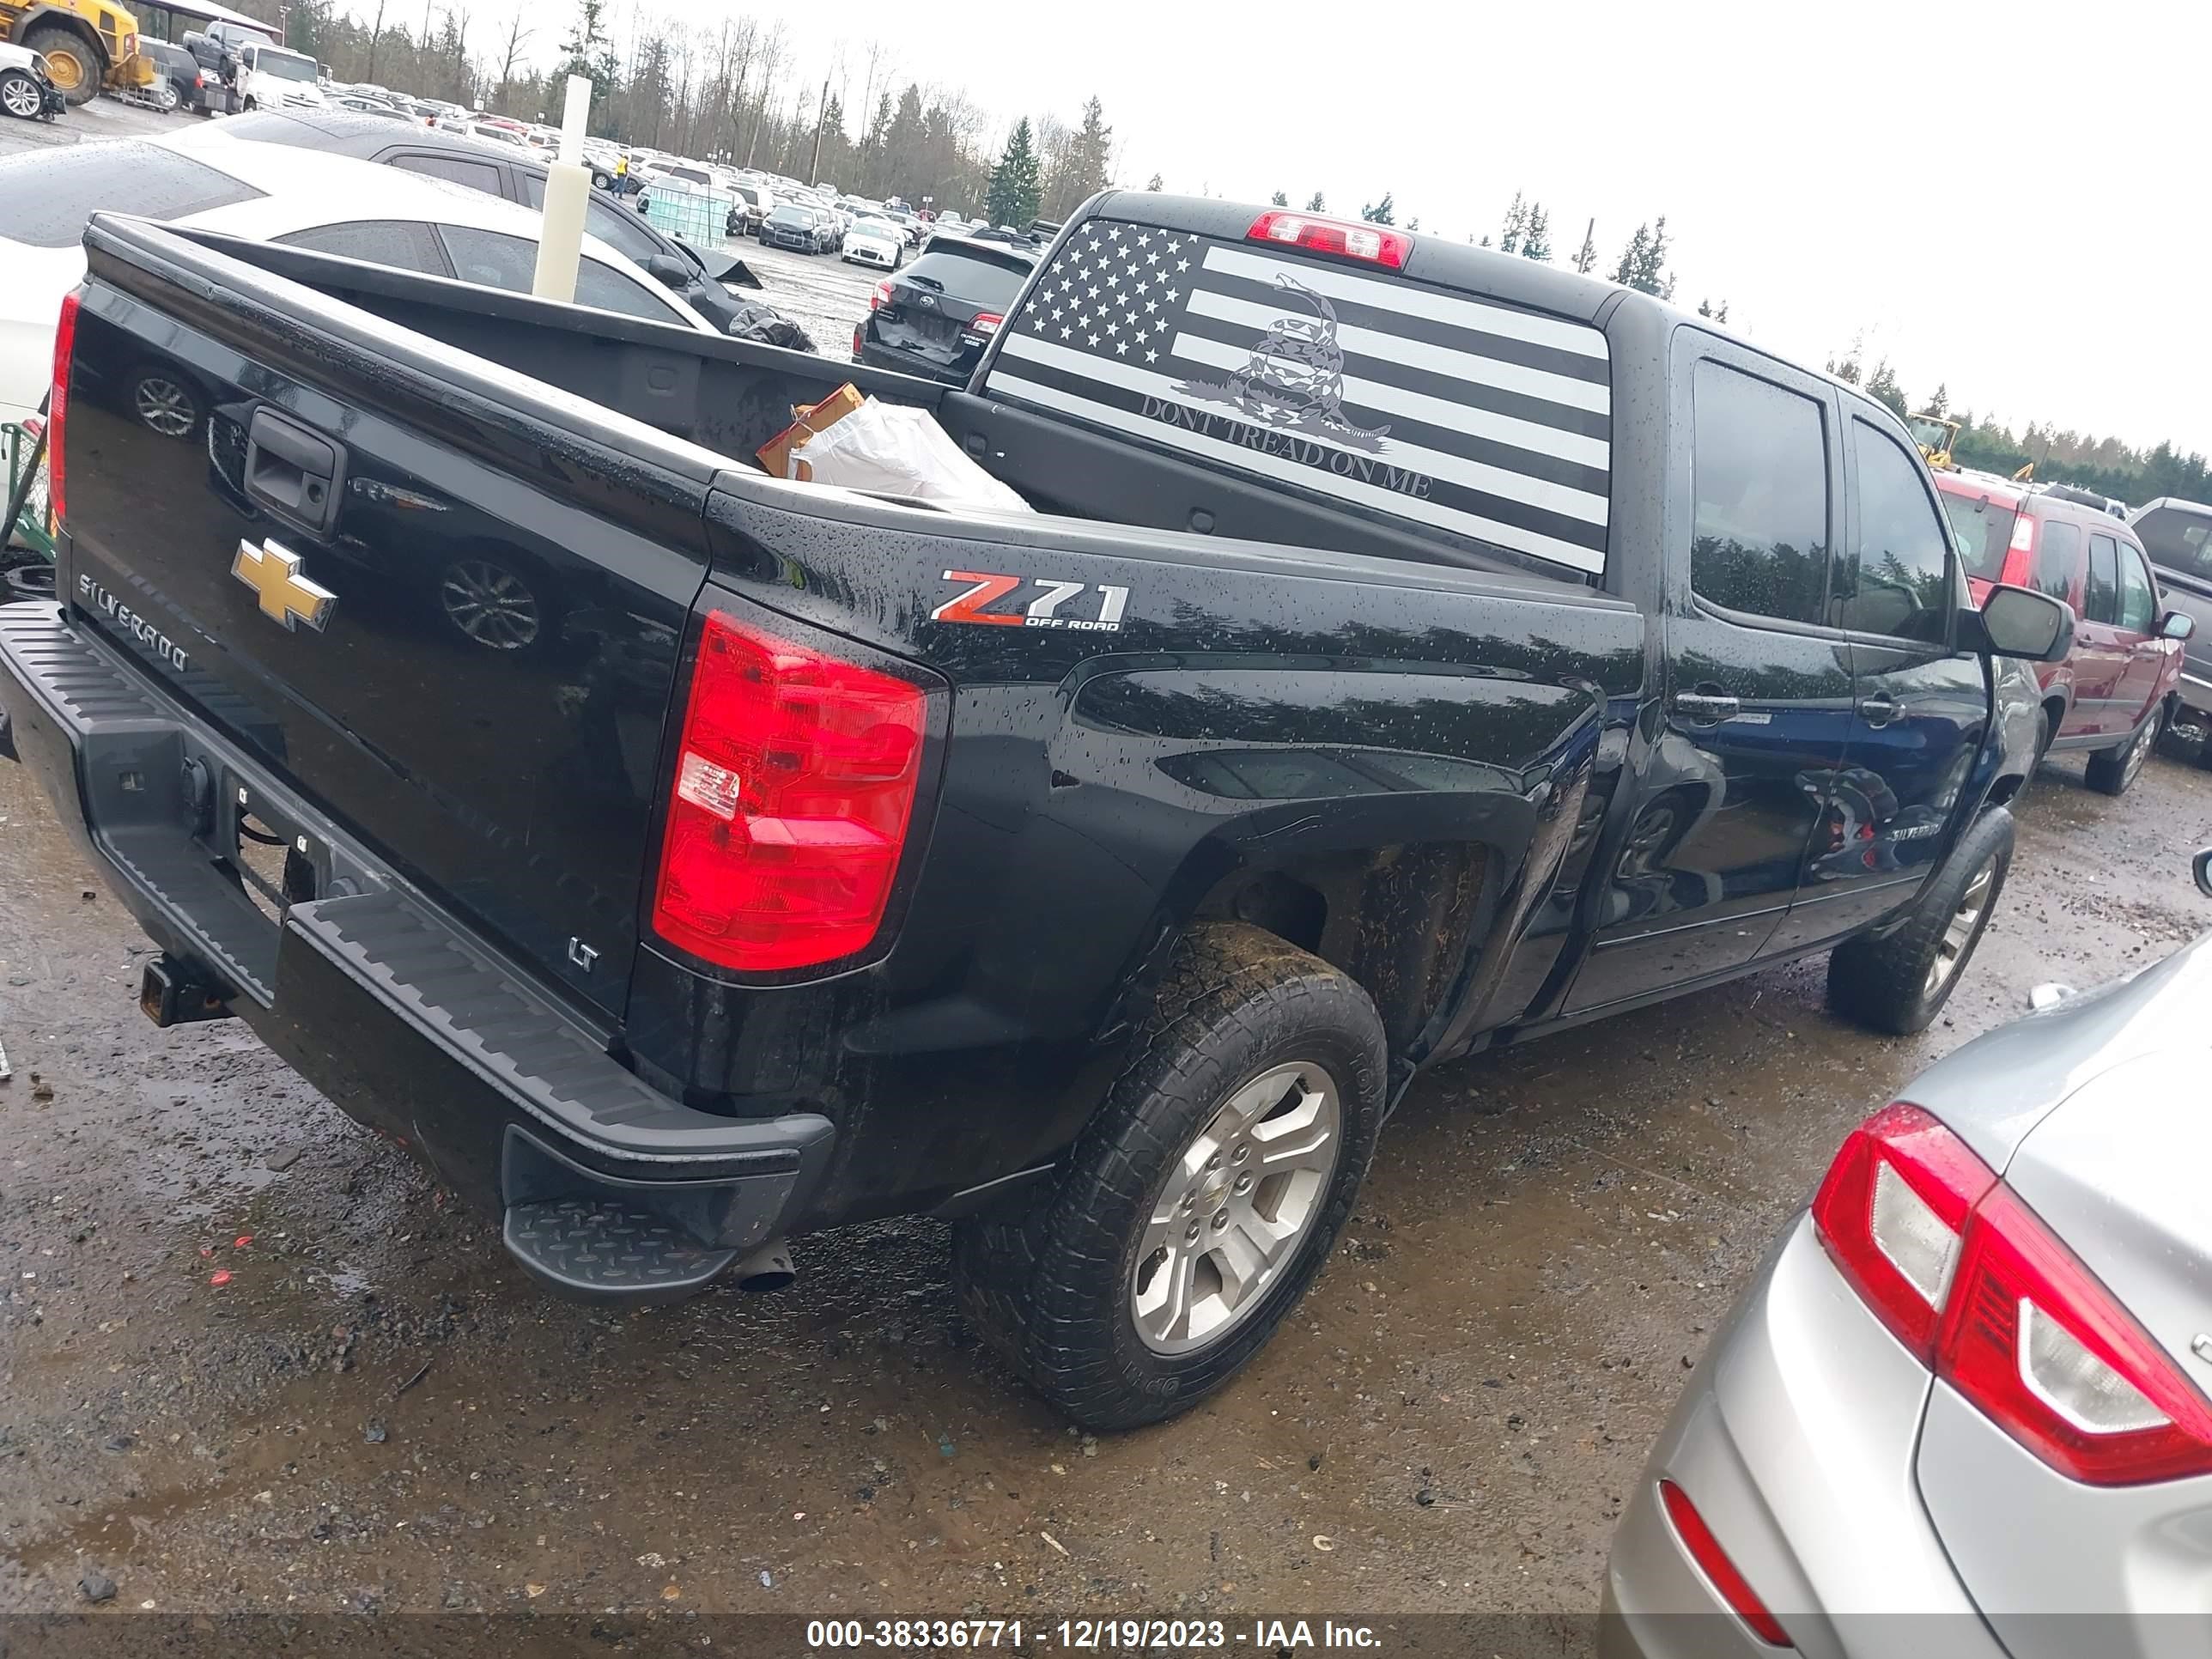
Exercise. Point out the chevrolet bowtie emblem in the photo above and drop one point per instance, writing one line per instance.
(286, 596)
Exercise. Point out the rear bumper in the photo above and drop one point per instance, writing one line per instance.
(403, 1018)
(1796, 1440)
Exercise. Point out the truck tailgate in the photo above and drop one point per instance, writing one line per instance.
(448, 610)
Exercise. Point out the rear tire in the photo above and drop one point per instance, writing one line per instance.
(75, 66)
(1898, 981)
(1106, 1289)
(2110, 771)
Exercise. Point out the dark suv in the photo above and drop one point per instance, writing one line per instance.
(2116, 688)
(935, 317)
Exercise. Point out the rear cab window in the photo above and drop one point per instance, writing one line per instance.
(48, 205)
(1481, 422)
(2058, 559)
(2100, 602)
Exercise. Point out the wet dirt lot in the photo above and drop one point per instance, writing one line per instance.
(375, 1411)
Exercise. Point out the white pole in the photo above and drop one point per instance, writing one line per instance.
(567, 191)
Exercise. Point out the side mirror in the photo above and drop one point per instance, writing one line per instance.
(2018, 622)
(667, 269)
(2177, 625)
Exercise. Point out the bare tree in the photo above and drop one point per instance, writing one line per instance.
(517, 37)
(375, 33)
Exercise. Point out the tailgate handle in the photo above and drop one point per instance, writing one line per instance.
(295, 473)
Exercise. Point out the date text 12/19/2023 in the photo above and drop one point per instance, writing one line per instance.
(1092, 1635)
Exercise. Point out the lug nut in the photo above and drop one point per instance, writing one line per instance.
(1190, 1235)
(1213, 1162)
(1243, 1150)
(1244, 1182)
(1190, 1199)
(1220, 1219)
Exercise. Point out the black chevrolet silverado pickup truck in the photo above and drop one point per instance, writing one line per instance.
(1413, 649)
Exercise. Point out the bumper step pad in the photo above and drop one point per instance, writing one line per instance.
(602, 1249)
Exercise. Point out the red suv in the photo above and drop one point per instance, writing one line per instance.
(2115, 689)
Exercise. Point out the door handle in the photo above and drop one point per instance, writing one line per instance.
(1705, 707)
(294, 472)
(1879, 711)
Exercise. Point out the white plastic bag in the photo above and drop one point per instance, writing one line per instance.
(897, 450)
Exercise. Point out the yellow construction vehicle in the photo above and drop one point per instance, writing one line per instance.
(1934, 435)
(86, 43)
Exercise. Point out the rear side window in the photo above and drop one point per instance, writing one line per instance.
(1760, 539)
(2058, 559)
(1897, 579)
(48, 202)
(2178, 540)
(398, 242)
(477, 175)
(1983, 528)
(493, 260)
(1486, 423)
(2101, 601)
(2138, 599)
(600, 285)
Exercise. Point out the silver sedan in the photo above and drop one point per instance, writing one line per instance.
(1962, 1410)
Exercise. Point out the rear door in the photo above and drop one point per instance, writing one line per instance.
(1757, 691)
(1921, 706)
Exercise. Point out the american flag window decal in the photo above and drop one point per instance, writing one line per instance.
(1480, 419)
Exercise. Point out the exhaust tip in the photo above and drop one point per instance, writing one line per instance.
(767, 1268)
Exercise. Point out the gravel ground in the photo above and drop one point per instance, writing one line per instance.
(375, 1411)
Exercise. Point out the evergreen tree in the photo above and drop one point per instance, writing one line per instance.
(1089, 159)
(1882, 385)
(1280, 199)
(590, 53)
(1586, 256)
(1316, 204)
(1383, 212)
(1016, 183)
(1516, 219)
(1632, 258)
(1156, 184)
(1536, 235)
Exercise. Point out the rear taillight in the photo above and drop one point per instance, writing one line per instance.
(1355, 240)
(2019, 553)
(795, 784)
(1727, 1580)
(987, 324)
(57, 404)
(882, 295)
(1984, 1293)
(1892, 1212)
(860, 338)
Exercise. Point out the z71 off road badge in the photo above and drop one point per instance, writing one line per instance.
(286, 596)
(1043, 611)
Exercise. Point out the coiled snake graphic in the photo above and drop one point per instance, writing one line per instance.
(1297, 371)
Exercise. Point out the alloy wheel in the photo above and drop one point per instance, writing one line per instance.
(1235, 1208)
(2138, 752)
(490, 604)
(1958, 934)
(20, 95)
(165, 406)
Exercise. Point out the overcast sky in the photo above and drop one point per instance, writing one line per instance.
(2009, 199)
